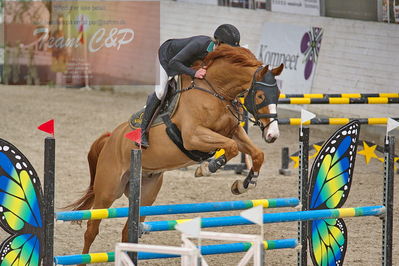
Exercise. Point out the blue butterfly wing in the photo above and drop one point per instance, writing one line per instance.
(20, 250)
(328, 242)
(331, 179)
(21, 203)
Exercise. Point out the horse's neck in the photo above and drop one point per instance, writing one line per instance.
(229, 80)
(230, 92)
(222, 77)
(227, 90)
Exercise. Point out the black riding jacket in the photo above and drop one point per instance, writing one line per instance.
(177, 55)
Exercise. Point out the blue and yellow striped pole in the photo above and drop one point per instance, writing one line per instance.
(334, 121)
(177, 209)
(339, 95)
(271, 218)
(85, 258)
(205, 250)
(338, 100)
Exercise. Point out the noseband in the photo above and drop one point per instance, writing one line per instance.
(271, 92)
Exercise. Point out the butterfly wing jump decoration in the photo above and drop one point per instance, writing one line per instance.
(331, 178)
(21, 211)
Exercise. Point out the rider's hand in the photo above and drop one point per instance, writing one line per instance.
(200, 74)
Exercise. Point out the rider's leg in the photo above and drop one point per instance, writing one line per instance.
(150, 108)
(163, 79)
(152, 104)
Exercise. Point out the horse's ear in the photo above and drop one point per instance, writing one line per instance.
(277, 71)
(263, 71)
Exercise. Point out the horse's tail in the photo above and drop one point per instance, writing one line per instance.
(87, 200)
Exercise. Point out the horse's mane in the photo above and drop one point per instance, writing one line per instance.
(235, 55)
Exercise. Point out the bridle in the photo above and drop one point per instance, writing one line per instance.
(271, 93)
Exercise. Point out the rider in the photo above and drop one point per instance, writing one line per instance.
(176, 56)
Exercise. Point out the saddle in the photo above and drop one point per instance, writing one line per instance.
(168, 106)
(166, 111)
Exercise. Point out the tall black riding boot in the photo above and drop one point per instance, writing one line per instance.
(152, 104)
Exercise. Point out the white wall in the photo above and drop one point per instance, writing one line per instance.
(204, 2)
(356, 56)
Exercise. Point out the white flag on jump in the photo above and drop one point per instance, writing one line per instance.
(392, 124)
(191, 227)
(254, 214)
(306, 116)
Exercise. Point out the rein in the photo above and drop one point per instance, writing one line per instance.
(234, 103)
(249, 103)
(193, 86)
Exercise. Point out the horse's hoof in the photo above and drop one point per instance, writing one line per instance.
(198, 172)
(252, 185)
(238, 187)
(234, 188)
(202, 170)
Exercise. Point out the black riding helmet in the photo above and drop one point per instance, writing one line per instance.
(227, 33)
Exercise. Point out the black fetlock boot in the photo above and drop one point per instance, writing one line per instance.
(151, 106)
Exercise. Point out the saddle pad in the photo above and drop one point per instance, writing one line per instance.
(170, 107)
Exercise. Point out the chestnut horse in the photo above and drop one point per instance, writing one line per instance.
(207, 116)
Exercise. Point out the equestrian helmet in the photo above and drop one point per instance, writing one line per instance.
(227, 33)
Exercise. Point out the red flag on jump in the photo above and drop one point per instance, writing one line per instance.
(47, 127)
(134, 135)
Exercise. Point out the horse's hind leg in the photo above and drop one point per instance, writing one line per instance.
(150, 186)
(94, 225)
(107, 188)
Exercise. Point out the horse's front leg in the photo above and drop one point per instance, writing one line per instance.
(205, 139)
(246, 146)
(207, 168)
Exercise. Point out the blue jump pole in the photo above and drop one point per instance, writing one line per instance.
(272, 218)
(205, 250)
(177, 209)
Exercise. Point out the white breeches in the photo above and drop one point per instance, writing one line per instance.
(163, 78)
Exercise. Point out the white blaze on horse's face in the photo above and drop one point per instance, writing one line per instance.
(271, 133)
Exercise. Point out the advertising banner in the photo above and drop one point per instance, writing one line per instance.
(297, 48)
(353, 9)
(305, 7)
(82, 43)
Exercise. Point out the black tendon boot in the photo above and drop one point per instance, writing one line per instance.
(152, 105)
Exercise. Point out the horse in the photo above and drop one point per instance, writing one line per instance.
(207, 116)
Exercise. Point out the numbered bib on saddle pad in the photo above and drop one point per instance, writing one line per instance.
(169, 106)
